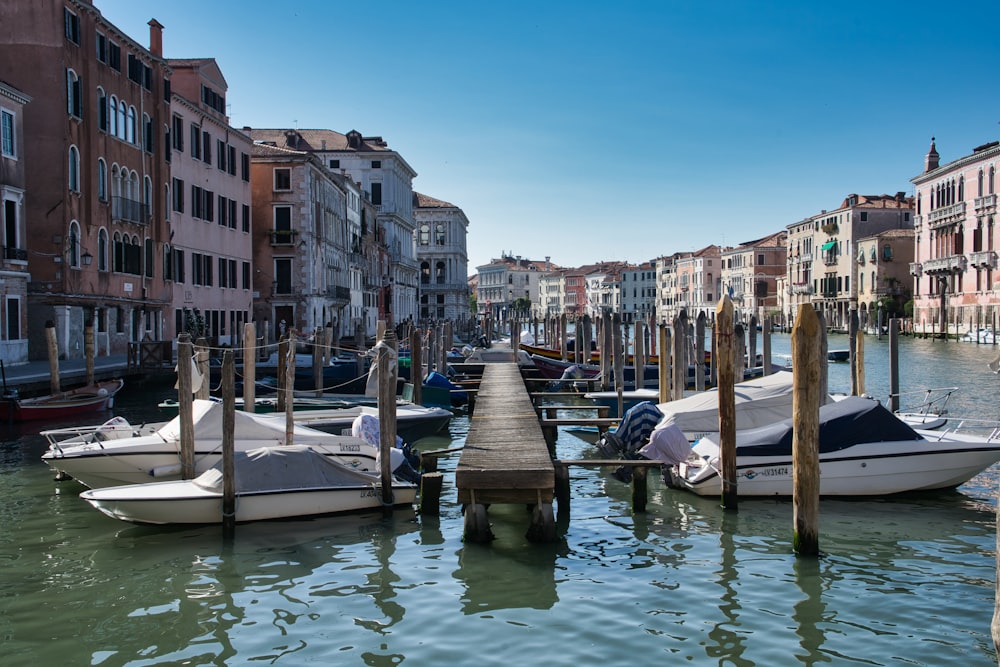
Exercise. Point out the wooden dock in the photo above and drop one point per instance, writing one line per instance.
(505, 459)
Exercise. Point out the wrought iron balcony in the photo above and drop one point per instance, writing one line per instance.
(15, 253)
(129, 210)
(284, 236)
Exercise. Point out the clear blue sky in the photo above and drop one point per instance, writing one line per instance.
(592, 131)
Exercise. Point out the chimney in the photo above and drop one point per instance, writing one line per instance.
(155, 38)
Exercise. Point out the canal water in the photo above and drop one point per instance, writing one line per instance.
(902, 581)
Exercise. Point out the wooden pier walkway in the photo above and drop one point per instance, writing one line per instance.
(505, 459)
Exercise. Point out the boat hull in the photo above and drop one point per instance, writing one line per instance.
(186, 503)
(86, 400)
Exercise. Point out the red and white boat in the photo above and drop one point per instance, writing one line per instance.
(85, 400)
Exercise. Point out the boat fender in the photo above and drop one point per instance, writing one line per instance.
(166, 471)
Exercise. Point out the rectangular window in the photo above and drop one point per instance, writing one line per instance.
(246, 275)
(245, 167)
(223, 211)
(232, 213)
(283, 218)
(72, 26)
(232, 273)
(334, 164)
(376, 164)
(207, 145)
(197, 202)
(222, 272)
(377, 194)
(195, 142)
(10, 230)
(220, 152)
(864, 216)
(102, 48)
(7, 133)
(196, 268)
(13, 331)
(282, 179)
(283, 275)
(246, 218)
(115, 56)
(209, 206)
(177, 133)
(178, 195)
(208, 271)
(232, 159)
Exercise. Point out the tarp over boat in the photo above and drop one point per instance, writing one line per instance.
(284, 468)
(208, 415)
(759, 402)
(842, 424)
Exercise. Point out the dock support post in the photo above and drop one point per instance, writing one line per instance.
(184, 405)
(699, 352)
(249, 367)
(639, 489)
(201, 354)
(228, 444)
(726, 346)
(806, 399)
(88, 349)
(543, 524)
(477, 524)
(562, 488)
(53, 347)
(430, 492)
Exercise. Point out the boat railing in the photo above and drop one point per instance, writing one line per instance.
(987, 429)
(934, 403)
(69, 436)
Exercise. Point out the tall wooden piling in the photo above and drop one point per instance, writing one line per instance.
(185, 353)
(894, 364)
(317, 361)
(562, 337)
(752, 343)
(852, 337)
(824, 366)
(859, 367)
(766, 345)
(386, 413)
(619, 360)
(699, 352)
(664, 364)
(289, 389)
(201, 356)
(607, 347)
(417, 365)
(806, 399)
(88, 349)
(249, 367)
(282, 364)
(679, 382)
(726, 347)
(639, 356)
(52, 344)
(228, 442)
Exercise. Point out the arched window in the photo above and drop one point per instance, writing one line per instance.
(118, 250)
(439, 234)
(113, 116)
(147, 133)
(102, 179)
(148, 257)
(980, 190)
(122, 119)
(116, 181)
(147, 199)
(440, 273)
(425, 273)
(166, 201)
(961, 189)
(993, 172)
(130, 126)
(73, 241)
(102, 110)
(74, 96)
(74, 169)
(102, 250)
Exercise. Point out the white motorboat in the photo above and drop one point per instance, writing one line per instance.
(865, 450)
(271, 483)
(117, 453)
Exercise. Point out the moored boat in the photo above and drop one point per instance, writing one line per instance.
(271, 483)
(864, 450)
(81, 401)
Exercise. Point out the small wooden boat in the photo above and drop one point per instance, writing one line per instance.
(271, 483)
(85, 400)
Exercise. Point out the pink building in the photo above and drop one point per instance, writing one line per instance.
(955, 281)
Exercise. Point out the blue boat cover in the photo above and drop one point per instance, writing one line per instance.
(636, 426)
(842, 424)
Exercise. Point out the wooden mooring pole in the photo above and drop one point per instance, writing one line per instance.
(806, 396)
(249, 367)
(88, 349)
(53, 347)
(289, 389)
(386, 413)
(185, 354)
(228, 443)
(726, 345)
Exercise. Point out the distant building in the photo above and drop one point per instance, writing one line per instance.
(955, 259)
(13, 182)
(749, 274)
(699, 282)
(96, 173)
(822, 267)
(442, 251)
(638, 292)
(504, 281)
(210, 251)
(883, 270)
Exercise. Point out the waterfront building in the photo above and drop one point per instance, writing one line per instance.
(442, 251)
(749, 274)
(955, 256)
(387, 181)
(299, 239)
(666, 288)
(698, 282)
(552, 294)
(883, 270)
(509, 283)
(821, 252)
(209, 255)
(603, 288)
(14, 273)
(638, 292)
(96, 173)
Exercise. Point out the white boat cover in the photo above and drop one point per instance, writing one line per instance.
(207, 417)
(284, 468)
(759, 402)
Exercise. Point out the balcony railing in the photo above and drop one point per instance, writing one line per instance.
(15, 253)
(129, 210)
(985, 202)
(952, 264)
(339, 293)
(894, 290)
(802, 288)
(946, 215)
(284, 236)
(986, 259)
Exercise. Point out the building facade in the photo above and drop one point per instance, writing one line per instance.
(883, 271)
(638, 292)
(210, 253)
(97, 173)
(955, 255)
(14, 275)
(749, 275)
(442, 251)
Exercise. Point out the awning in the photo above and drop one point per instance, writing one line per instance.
(826, 246)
